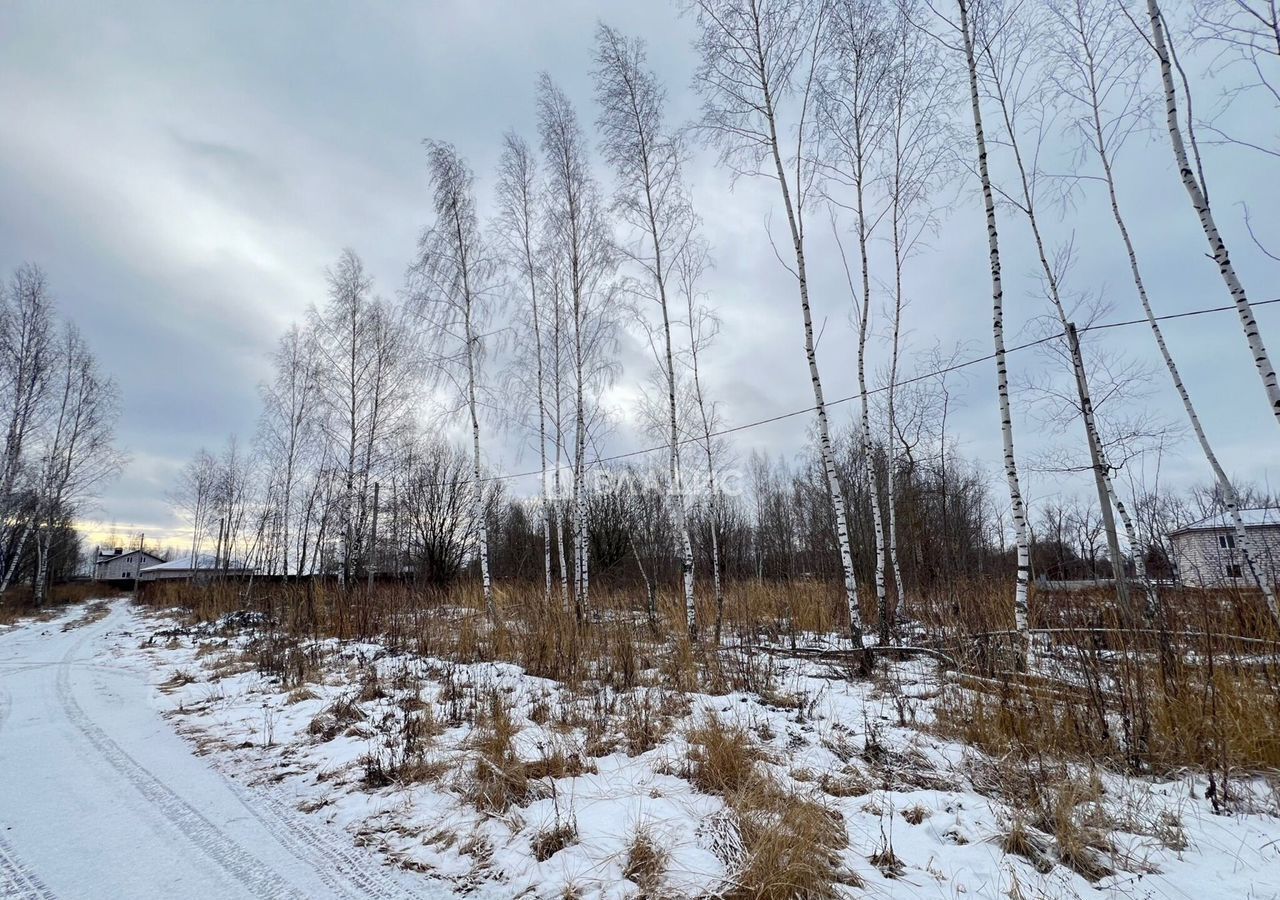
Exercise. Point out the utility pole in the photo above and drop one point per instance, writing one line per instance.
(1099, 477)
(217, 548)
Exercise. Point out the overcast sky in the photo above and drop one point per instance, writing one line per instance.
(184, 172)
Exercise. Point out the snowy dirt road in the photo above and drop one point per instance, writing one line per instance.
(99, 798)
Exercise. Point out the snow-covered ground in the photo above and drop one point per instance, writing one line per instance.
(100, 798)
(367, 754)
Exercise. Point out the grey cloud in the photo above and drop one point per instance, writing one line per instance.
(186, 171)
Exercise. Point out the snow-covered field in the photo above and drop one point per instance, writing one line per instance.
(367, 754)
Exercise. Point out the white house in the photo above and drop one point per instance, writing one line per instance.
(117, 565)
(204, 568)
(1205, 552)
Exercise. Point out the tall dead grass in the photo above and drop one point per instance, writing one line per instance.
(1199, 686)
(779, 843)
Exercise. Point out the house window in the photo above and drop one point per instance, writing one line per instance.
(1227, 541)
(1234, 572)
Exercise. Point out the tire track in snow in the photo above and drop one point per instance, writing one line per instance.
(14, 670)
(245, 868)
(7, 669)
(18, 881)
(334, 860)
(319, 847)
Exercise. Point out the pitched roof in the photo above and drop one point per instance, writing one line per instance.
(104, 558)
(202, 561)
(1252, 518)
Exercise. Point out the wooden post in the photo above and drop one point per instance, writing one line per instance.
(217, 548)
(1104, 500)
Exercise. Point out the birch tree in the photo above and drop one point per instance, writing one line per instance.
(968, 27)
(918, 157)
(366, 350)
(518, 227)
(1097, 69)
(192, 497)
(560, 375)
(27, 337)
(703, 325)
(759, 60)
(854, 106)
(77, 452)
(231, 499)
(652, 201)
(455, 268)
(580, 244)
(1193, 181)
(288, 432)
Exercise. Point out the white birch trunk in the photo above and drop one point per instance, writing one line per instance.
(1101, 476)
(1017, 508)
(1200, 202)
(542, 412)
(891, 459)
(650, 591)
(42, 566)
(679, 512)
(677, 487)
(581, 542)
(562, 550)
(560, 513)
(717, 586)
(824, 432)
(41, 571)
(12, 567)
(868, 450)
(542, 447)
(478, 510)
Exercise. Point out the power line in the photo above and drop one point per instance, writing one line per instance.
(945, 370)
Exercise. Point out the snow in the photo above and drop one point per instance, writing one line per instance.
(249, 774)
(100, 798)
(202, 561)
(1251, 518)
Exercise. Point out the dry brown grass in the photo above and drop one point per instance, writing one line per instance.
(1183, 693)
(723, 758)
(791, 845)
(179, 679)
(916, 814)
(788, 842)
(498, 779)
(336, 718)
(551, 840)
(1020, 839)
(646, 862)
(1224, 716)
